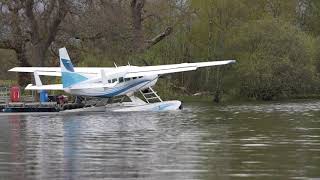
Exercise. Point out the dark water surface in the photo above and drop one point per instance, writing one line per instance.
(267, 141)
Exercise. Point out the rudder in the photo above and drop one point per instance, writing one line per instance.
(69, 76)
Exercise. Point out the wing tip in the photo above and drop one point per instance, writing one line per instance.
(12, 69)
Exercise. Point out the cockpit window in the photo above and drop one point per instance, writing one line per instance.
(126, 79)
(120, 79)
(134, 78)
(109, 81)
(114, 80)
(140, 76)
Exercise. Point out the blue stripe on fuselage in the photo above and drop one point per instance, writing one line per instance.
(117, 92)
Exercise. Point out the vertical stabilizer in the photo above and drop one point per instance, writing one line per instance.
(69, 76)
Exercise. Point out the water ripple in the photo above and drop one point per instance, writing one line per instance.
(279, 141)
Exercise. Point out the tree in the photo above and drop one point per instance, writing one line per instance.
(29, 27)
(140, 43)
(274, 59)
(309, 16)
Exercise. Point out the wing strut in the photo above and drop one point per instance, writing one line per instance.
(104, 77)
(37, 78)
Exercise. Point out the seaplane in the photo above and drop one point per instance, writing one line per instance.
(110, 82)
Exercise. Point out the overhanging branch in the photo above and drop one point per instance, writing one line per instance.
(159, 37)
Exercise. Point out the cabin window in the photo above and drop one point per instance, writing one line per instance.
(114, 80)
(109, 81)
(120, 79)
(134, 78)
(126, 79)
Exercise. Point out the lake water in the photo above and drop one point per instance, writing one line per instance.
(252, 141)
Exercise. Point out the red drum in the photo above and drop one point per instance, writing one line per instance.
(15, 94)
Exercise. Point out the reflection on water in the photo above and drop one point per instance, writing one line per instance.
(201, 142)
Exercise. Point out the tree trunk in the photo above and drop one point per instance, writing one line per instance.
(136, 15)
(216, 98)
(217, 93)
(23, 78)
(139, 42)
(39, 54)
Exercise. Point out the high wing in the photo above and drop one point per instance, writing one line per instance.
(60, 86)
(45, 87)
(56, 71)
(172, 68)
(131, 71)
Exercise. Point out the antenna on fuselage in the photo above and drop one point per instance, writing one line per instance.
(115, 65)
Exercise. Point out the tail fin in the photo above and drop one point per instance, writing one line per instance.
(69, 76)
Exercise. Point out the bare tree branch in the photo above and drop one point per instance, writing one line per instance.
(159, 37)
(35, 36)
(53, 28)
(139, 42)
(49, 9)
(92, 38)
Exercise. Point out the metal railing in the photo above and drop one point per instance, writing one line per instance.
(4, 95)
(25, 96)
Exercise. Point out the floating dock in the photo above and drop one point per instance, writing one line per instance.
(38, 107)
(27, 103)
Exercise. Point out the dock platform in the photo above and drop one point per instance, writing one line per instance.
(28, 104)
(30, 107)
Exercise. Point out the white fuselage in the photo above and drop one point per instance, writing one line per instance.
(126, 86)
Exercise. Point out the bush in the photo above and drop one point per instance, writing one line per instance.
(275, 59)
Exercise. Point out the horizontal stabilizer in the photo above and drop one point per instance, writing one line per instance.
(45, 87)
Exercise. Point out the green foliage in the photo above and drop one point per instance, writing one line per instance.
(276, 44)
(275, 59)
